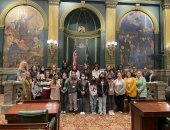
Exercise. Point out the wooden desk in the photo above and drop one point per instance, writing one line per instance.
(147, 115)
(53, 110)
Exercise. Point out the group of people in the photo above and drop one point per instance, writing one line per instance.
(103, 90)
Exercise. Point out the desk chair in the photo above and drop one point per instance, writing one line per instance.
(36, 116)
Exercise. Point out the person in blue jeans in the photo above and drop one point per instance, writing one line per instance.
(63, 94)
(93, 94)
(83, 88)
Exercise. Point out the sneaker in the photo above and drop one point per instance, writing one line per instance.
(113, 113)
(104, 113)
(64, 112)
(100, 113)
(110, 113)
(93, 113)
(81, 113)
(120, 112)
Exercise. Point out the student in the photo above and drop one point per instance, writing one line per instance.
(55, 86)
(111, 99)
(63, 93)
(71, 84)
(93, 94)
(83, 88)
(36, 88)
(102, 91)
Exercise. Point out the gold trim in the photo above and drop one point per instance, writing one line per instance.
(54, 2)
(23, 2)
(78, 5)
(142, 9)
(111, 4)
(90, 34)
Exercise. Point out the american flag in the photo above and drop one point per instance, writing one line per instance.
(74, 57)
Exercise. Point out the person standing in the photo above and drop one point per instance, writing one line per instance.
(119, 92)
(141, 86)
(83, 88)
(71, 84)
(55, 86)
(130, 87)
(111, 98)
(93, 95)
(63, 93)
(36, 88)
(102, 91)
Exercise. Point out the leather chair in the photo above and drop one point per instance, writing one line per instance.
(36, 116)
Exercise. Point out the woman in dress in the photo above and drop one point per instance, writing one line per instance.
(23, 68)
(55, 86)
(36, 88)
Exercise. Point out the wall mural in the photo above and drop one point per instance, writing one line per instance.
(136, 40)
(23, 27)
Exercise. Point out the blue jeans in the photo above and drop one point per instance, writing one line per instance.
(93, 102)
(102, 104)
(82, 103)
(63, 100)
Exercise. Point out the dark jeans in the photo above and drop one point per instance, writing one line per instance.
(82, 103)
(120, 102)
(111, 101)
(63, 100)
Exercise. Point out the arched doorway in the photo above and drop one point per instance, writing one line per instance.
(82, 33)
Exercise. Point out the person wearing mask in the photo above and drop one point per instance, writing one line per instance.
(93, 95)
(36, 88)
(102, 91)
(71, 84)
(141, 86)
(55, 86)
(119, 88)
(130, 87)
(63, 94)
(83, 88)
(111, 99)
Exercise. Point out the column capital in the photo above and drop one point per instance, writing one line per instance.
(54, 2)
(111, 3)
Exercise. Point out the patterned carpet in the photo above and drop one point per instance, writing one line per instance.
(88, 121)
(95, 122)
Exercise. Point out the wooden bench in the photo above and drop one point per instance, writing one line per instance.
(24, 126)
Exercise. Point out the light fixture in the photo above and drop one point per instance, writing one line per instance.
(111, 46)
(52, 46)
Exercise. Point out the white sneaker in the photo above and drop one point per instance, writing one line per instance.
(64, 112)
(101, 113)
(81, 113)
(113, 113)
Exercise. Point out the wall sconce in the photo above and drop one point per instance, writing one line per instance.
(111, 46)
(52, 47)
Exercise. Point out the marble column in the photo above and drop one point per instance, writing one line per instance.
(53, 29)
(110, 31)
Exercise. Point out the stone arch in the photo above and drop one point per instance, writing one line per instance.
(23, 2)
(78, 5)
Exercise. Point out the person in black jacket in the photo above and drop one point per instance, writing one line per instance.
(83, 88)
(102, 91)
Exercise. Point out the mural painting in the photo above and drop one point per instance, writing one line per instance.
(23, 27)
(136, 40)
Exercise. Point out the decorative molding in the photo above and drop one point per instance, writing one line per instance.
(54, 2)
(166, 6)
(142, 9)
(87, 6)
(111, 4)
(23, 2)
(90, 34)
